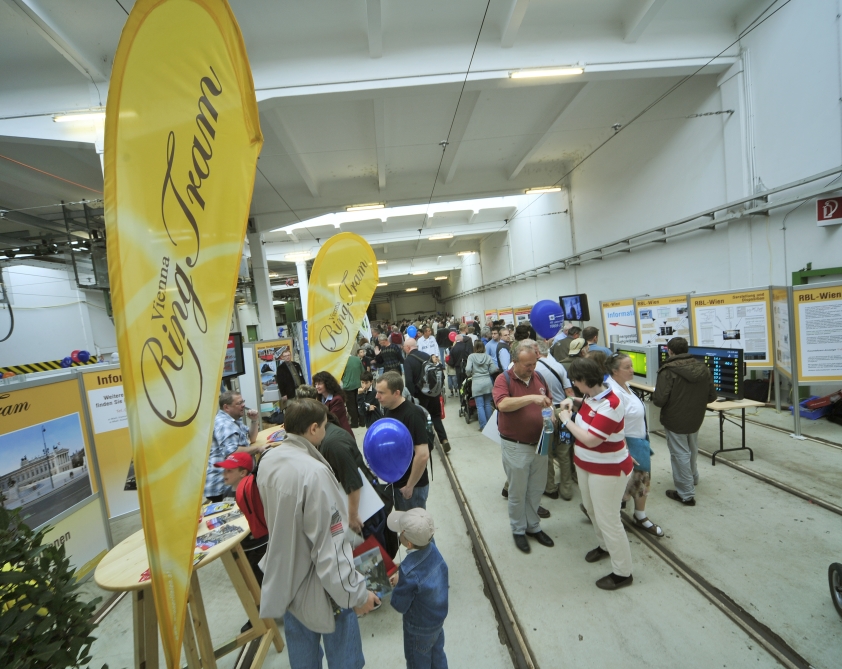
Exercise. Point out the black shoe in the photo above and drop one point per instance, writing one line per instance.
(505, 493)
(543, 513)
(596, 555)
(542, 538)
(673, 494)
(446, 446)
(612, 582)
(551, 495)
(522, 543)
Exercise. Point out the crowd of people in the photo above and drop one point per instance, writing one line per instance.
(565, 415)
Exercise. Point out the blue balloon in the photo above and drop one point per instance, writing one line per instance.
(388, 449)
(411, 331)
(547, 318)
(66, 362)
(84, 356)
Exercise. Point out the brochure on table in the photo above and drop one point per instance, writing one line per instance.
(659, 319)
(817, 311)
(736, 320)
(618, 322)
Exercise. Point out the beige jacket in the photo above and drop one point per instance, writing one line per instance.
(307, 561)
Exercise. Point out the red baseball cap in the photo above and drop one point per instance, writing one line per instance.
(235, 460)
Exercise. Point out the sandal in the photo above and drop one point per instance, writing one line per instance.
(653, 529)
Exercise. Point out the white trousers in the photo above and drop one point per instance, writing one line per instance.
(602, 496)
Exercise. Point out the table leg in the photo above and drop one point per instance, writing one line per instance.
(750, 452)
(191, 651)
(200, 623)
(145, 629)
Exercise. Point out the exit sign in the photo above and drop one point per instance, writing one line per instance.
(829, 211)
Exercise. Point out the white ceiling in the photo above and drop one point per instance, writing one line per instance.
(356, 97)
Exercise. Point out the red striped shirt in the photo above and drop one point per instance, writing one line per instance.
(602, 416)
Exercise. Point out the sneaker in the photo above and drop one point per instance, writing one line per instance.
(673, 494)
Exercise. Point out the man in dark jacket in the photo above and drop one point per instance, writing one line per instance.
(289, 376)
(683, 390)
(413, 368)
(459, 356)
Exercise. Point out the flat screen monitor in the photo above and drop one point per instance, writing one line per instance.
(575, 307)
(726, 365)
(234, 363)
(638, 359)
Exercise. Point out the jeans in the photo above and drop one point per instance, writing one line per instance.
(418, 499)
(527, 475)
(343, 648)
(684, 449)
(484, 409)
(442, 354)
(452, 382)
(424, 648)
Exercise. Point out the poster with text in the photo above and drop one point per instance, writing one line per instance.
(659, 319)
(112, 442)
(507, 315)
(522, 314)
(735, 320)
(268, 355)
(618, 324)
(82, 533)
(780, 323)
(490, 315)
(818, 332)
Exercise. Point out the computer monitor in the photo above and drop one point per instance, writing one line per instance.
(638, 359)
(726, 365)
(234, 363)
(575, 307)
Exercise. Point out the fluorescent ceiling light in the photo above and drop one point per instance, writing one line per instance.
(279, 302)
(411, 290)
(88, 117)
(444, 235)
(544, 189)
(382, 284)
(305, 255)
(382, 262)
(546, 72)
(419, 272)
(441, 278)
(466, 253)
(365, 207)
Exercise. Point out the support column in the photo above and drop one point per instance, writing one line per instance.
(268, 327)
(393, 309)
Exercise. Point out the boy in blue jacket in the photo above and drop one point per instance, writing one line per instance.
(420, 590)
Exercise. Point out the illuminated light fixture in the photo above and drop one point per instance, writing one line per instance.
(466, 253)
(419, 272)
(546, 72)
(279, 302)
(544, 189)
(365, 207)
(89, 117)
(298, 256)
(411, 290)
(444, 235)
(441, 278)
(382, 262)
(382, 284)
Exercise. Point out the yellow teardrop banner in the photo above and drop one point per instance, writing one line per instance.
(343, 279)
(182, 137)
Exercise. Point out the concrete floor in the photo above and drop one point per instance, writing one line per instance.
(767, 549)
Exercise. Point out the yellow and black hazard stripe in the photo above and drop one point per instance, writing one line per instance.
(34, 367)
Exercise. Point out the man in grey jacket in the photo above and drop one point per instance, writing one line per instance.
(683, 390)
(309, 575)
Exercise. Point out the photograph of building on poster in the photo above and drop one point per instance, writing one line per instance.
(661, 319)
(738, 320)
(43, 469)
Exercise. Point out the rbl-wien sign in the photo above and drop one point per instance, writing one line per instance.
(829, 211)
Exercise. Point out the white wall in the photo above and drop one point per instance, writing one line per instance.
(52, 317)
(410, 305)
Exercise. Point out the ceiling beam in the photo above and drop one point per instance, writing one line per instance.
(512, 25)
(276, 124)
(42, 225)
(549, 130)
(457, 132)
(380, 140)
(641, 19)
(39, 21)
(374, 16)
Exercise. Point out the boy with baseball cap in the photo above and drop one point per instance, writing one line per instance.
(420, 589)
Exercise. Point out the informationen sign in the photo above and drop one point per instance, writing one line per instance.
(659, 319)
(780, 323)
(507, 315)
(818, 332)
(735, 320)
(522, 314)
(618, 324)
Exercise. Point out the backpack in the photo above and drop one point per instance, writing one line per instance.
(248, 499)
(429, 383)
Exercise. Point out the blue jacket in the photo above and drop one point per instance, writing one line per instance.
(421, 592)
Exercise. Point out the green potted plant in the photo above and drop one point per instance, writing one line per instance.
(43, 624)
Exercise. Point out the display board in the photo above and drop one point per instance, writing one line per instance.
(234, 364)
(506, 314)
(46, 468)
(817, 311)
(735, 320)
(110, 426)
(490, 315)
(618, 323)
(780, 328)
(522, 314)
(267, 354)
(659, 319)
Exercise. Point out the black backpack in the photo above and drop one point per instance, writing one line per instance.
(430, 381)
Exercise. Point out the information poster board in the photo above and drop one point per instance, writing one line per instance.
(659, 319)
(739, 320)
(490, 315)
(522, 314)
(780, 325)
(506, 314)
(618, 323)
(112, 443)
(46, 469)
(267, 355)
(818, 332)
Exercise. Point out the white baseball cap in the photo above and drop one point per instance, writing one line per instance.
(416, 524)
